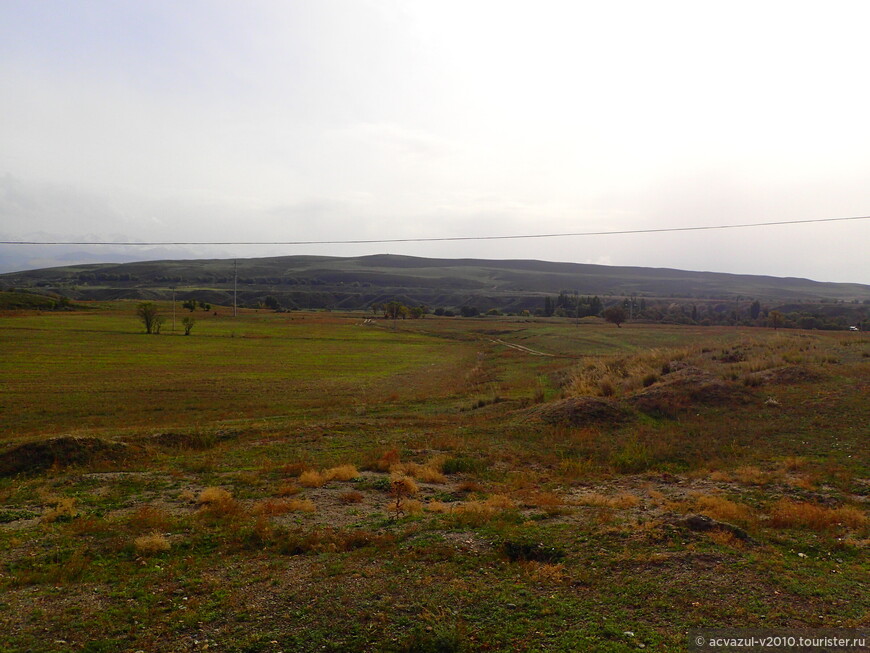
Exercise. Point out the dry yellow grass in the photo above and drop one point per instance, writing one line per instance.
(352, 496)
(545, 572)
(63, 508)
(424, 473)
(750, 475)
(217, 501)
(799, 514)
(151, 544)
(437, 507)
(213, 495)
(403, 485)
(150, 518)
(793, 463)
(411, 506)
(621, 501)
(274, 507)
(542, 500)
(187, 496)
(312, 478)
(608, 376)
(288, 489)
(722, 509)
(341, 473)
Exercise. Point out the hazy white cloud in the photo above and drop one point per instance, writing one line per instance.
(338, 119)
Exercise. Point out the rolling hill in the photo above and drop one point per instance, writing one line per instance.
(357, 282)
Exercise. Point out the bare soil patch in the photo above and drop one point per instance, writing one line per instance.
(63, 451)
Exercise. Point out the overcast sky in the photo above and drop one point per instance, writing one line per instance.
(344, 119)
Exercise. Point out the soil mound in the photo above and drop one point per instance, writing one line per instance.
(36, 456)
(580, 411)
(686, 386)
(181, 440)
(786, 375)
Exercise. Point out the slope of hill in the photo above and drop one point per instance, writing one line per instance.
(357, 282)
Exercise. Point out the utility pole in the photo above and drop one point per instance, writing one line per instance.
(173, 309)
(235, 286)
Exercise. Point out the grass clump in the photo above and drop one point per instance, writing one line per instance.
(151, 544)
(274, 507)
(64, 509)
(801, 514)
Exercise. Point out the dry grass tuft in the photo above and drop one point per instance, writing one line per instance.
(425, 473)
(797, 514)
(546, 500)
(312, 478)
(622, 501)
(402, 485)
(545, 572)
(295, 469)
(341, 473)
(722, 509)
(64, 509)
(750, 475)
(274, 507)
(187, 496)
(793, 463)
(216, 501)
(386, 460)
(351, 496)
(288, 490)
(150, 518)
(212, 495)
(437, 507)
(469, 486)
(726, 538)
(151, 544)
(411, 506)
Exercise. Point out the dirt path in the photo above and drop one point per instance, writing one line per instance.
(533, 352)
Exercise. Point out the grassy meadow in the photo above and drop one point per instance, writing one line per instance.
(327, 481)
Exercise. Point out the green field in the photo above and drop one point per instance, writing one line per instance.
(324, 481)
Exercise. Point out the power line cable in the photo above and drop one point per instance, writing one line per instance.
(435, 239)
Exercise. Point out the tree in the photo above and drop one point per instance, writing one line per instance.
(149, 316)
(614, 314)
(190, 305)
(549, 308)
(775, 318)
(469, 311)
(754, 310)
(271, 302)
(188, 323)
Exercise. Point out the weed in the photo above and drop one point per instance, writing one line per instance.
(545, 572)
(796, 514)
(151, 544)
(720, 508)
(351, 496)
(64, 509)
(274, 507)
(341, 473)
(312, 478)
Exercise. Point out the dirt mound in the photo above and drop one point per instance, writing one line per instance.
(786, 375)
(682, 388)
(702, 523)
(67, 450)
(181, 440)
(579, 411)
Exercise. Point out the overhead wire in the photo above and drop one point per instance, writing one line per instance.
(374, 241)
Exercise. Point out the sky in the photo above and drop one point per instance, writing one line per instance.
(291, 120)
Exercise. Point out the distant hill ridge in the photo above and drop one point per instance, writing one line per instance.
(357, 282)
